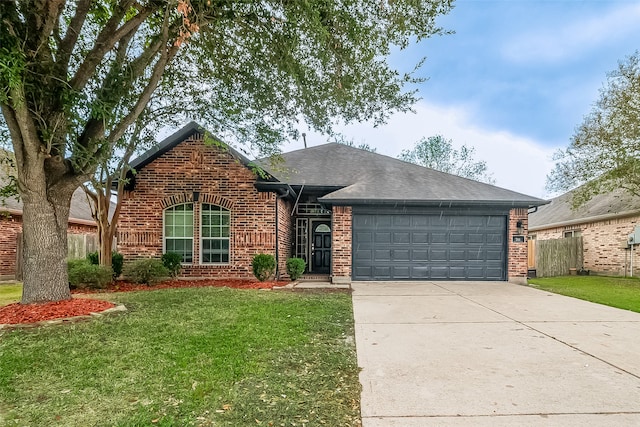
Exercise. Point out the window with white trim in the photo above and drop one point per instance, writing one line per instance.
(178, 231)
(214, 234)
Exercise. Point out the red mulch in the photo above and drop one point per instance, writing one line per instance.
(17, 313)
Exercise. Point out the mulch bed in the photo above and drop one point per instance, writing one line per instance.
(17, 313)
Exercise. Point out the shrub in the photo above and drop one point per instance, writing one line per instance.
(93, 258)
(172, 262)
(83, 274)
(146, 271)
(117, 260)
(295, 267)
(264, 265)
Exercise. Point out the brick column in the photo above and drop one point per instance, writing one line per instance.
(341, 245)
(517, 252)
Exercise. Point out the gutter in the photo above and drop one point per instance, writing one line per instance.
(433, 203)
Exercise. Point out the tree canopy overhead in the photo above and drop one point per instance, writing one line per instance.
(604, 152)
(75, 76)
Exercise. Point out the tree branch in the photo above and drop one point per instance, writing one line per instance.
(105, 41)
(67, 44)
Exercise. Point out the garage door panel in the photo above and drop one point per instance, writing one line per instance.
(457, 273)
(420, 255)
(419, 238)
(402, 255)
(438, 255)
(457, 237)
(495, 238)
(421, 221)
(439, 273)
(476, 238)
(402, 238)
(429, 246)
(439, 237)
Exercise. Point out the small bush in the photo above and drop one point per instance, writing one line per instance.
(295, 267)
(264, 265)
(147, 271)
(117, 260)
(83, 274)
(172, 262)
(93, 257)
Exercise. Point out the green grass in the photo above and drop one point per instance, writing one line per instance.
(182, 357)
(621, 292)
(10, 293)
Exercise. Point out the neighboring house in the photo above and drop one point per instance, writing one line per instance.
(80, 222)
(351, 214)
(604, 223)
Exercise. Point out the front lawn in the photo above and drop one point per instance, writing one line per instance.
(10, 293)
(180, 357)
(621, 292)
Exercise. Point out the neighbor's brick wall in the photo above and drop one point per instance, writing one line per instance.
(10, 226)
(604, 244)
(220, 179)
(285, 236)
(517, 255)
(341, 243)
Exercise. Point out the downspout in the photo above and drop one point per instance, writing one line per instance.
(281, 196)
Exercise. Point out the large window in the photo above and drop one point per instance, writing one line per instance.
(214, 238)
(178, 231)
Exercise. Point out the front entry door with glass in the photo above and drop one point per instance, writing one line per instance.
(321, 247)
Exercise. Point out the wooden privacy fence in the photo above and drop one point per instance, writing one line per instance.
(79, 246)
(557, 256)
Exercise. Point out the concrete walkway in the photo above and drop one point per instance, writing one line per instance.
(493, 354)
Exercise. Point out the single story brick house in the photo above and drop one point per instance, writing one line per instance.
(604, 223)
(349, 213)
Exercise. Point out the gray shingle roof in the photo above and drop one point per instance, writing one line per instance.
(367, 177)
(560, 213)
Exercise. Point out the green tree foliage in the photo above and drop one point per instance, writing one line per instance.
(75, 76)
(604, 152)
(438, 153)
(341, 139)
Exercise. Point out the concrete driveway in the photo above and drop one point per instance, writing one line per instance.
(493, 354)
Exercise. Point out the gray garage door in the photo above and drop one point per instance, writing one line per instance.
(429, 246)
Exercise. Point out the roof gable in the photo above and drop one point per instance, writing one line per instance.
(177, 138)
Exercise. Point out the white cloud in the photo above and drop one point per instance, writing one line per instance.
(551, 44)
(517, 163)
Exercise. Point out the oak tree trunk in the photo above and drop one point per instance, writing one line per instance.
(44, 242)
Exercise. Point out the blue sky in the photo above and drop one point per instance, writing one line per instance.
(514, 81)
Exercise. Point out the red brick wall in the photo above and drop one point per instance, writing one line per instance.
(517, 253)
(604, 244)
(341, 243)
(10, 226)
(221, 180)
(285, 236)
